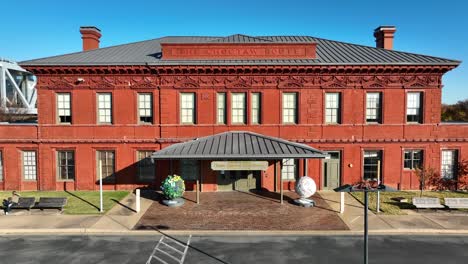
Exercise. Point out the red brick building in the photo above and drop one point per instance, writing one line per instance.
(102, 110)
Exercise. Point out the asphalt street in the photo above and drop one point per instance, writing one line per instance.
(233, 249)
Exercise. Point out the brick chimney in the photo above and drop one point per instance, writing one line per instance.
(90, 36)
(384, 37)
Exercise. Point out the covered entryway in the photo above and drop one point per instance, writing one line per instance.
(238, 180)
(239, 157)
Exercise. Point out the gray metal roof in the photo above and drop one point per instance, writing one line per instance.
(329, 52)
(238, 145)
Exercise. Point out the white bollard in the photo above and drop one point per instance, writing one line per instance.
(341, 202)
(137, 209)
(378, 202)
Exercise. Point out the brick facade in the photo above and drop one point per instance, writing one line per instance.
(126, 136)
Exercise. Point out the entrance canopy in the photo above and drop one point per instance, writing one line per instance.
(238, 145)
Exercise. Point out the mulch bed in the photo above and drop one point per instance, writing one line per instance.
(240, 211)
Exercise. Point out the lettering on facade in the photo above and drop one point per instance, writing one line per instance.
(239, 52)
(239, 165)
(235, 51)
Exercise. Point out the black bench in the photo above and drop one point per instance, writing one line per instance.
(51, 203)
(24, 203)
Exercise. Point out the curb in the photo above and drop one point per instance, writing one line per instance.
(111, 232)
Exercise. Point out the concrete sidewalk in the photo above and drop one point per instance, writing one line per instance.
(122, 218)
(425, 220)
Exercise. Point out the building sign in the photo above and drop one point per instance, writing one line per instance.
(194, 51)
(239, 165)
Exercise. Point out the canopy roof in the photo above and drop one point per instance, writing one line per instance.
(238, 145)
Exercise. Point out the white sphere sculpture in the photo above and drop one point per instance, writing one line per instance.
(306, 187)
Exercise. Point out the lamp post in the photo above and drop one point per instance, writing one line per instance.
(365, 187)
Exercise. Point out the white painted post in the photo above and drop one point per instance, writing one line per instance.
(378, 182)
(137, 192)
(341, 202)
(101, 208)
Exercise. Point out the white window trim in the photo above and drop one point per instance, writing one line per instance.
(377, 108)
(333, 109)
(453, 164)
(145, 107)
(29, 171)
(289, 169)
(255, 108)
(182, 108)
(418, 108)
(238, 106)
(111, 178)
(104, 108)
(62, 107)
(289, 108)
(221, 108)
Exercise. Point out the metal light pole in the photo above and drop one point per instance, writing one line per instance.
(366, 187)
(366, 233)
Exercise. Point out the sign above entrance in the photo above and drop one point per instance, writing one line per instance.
(252, 51)
(239, 165)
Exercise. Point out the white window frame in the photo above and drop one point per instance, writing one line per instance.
(333, 108)
(104, 108)
(63, 101)
(187, 108)
(221, 108)
(144, 162)
(145, 108)
(29, 160)
(289, 169)
(414, 107)
(105, 175)
(448, 163)
(289, 112)
(255, 108)
(374, 107)
(238, 108)
(68, 168)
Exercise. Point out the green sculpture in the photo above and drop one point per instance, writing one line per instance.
(173, 187)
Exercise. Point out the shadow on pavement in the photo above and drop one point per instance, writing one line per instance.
(159, 229)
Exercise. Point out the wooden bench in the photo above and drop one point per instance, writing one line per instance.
(51, 203)
(427, 203)
(24, 203)
(456, 203)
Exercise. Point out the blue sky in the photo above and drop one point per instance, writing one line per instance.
(34, 29)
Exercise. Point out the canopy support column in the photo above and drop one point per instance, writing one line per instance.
(199, 179)
(281, 183)
(198, 191)
(305, 167)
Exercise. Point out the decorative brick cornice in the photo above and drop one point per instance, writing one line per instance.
(238, 69)
(376, 81)
(178, 140)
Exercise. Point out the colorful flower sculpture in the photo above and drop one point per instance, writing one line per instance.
(173, 187)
